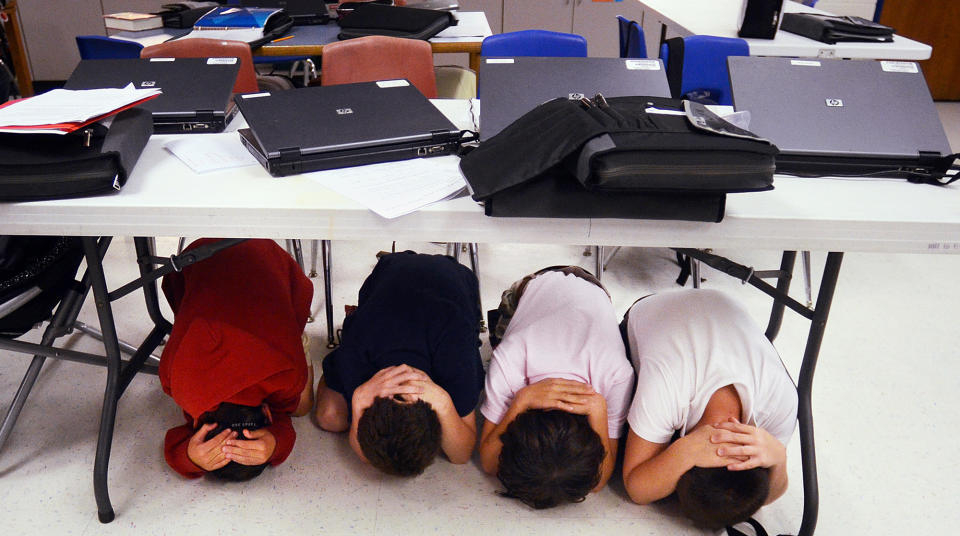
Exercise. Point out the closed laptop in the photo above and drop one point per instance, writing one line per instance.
(195, 91)
(511, 87)
(842, 117)
(327, 127)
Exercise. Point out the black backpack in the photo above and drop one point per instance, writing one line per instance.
(372, 18)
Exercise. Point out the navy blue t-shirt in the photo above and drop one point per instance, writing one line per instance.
(419, 310)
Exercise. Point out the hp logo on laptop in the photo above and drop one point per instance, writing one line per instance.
(835, 103)
(344, 111)
(576, 96)
(148, 83)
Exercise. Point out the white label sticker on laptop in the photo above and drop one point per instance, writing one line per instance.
(805, 63)
(255, 95)
(393, 83)
(643, 65)
(499, 60)
(221, 61)
(163, 59)
(899, 67)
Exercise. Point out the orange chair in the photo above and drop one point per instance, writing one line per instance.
(210, 48)
(378, 57)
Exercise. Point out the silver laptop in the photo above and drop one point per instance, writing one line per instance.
(325, 127)
(841, 117)
(511, 87)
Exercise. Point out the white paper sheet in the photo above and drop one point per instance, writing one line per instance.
(392, 189)
(210, 152)
(234, 34)
(70, 106)
(469, 24)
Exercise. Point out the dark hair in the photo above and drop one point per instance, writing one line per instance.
(399, 438)
(549, 458)
(715, 497)
(238, 418)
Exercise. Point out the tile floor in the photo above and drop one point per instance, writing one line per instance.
(886, 428)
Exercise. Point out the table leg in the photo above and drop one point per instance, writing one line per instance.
(108, 413)
(811, 496)
(475, 61)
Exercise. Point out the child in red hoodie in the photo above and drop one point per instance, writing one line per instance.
(235, 360)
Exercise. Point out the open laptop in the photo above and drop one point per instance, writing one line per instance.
(842, 117)
(328, 127)
(511, 87)
(195, 91)
(303, 12)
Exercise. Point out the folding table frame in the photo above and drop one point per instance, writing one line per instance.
(120, 373)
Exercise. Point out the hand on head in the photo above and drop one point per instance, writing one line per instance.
(557, 393)
(208, 454)
(388, 383)
(749, 445)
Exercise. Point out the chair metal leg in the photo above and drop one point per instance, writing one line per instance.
(453, 250)
(695, 272)
(598, 262)
(182, 243)
(297, 252)
(475, 259)
(328, 293)
(807, 280)
(313, 257)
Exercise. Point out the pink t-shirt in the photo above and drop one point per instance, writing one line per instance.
(564, 327)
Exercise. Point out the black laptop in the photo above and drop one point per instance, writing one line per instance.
(843, 117)
(326, 127)
(303, 12)
(195, 91)
(511, 87)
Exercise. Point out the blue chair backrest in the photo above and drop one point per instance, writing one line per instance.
(534, 43)
(632, 44)
(810, 3)
(704, 65)
(98, 47)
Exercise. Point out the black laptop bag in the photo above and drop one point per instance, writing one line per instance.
(371, 18)
(629, 157)
(832, 29)
(93, 160)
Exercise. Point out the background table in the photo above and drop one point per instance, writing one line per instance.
(722, 18)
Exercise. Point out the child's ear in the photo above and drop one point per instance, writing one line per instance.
(266, 411)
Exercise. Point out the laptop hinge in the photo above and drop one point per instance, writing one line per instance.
(930, 158)
(205, 115)
(290, 154)
(439, 135)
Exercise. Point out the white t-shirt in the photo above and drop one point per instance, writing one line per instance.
(687, 344)
(564, 327)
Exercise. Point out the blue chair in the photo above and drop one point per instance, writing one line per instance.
(810, 3)
(534, 43)
(703, 67)
(98, 47)
(632, 42)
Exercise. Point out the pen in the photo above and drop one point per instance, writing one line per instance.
(282, 39)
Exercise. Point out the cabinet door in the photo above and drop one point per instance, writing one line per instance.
(932, 22)
(597, 22)
(553, 15)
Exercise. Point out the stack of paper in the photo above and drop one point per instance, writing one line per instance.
(63, 110)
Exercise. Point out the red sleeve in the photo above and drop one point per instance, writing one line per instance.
(175, 451)
(283, 432)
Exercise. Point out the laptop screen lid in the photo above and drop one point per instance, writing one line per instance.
(511, 87)
(838, 108)
(190, 86)
(301, 11)
(325, 119)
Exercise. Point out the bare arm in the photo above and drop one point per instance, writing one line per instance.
(332, 413)
(458, 435)
(651, 470)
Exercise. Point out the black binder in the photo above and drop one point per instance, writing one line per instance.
(93, 160)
